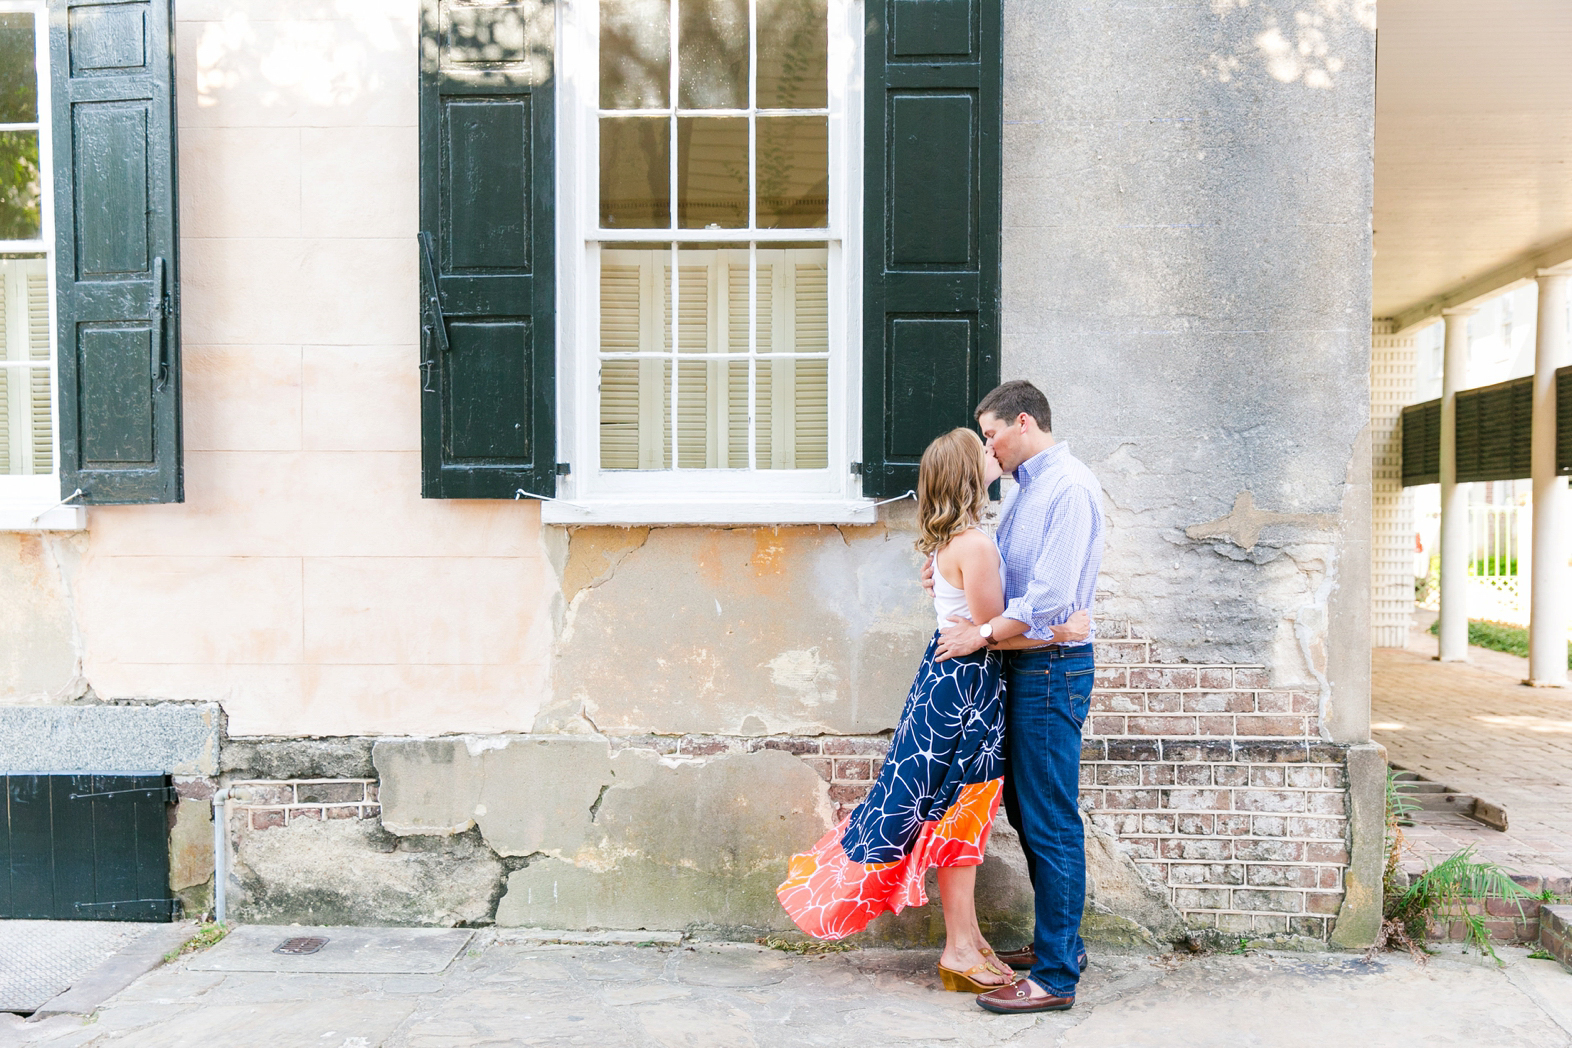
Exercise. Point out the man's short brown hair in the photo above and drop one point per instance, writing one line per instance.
(1014, 399)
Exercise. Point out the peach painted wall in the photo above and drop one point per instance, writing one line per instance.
(304, 583)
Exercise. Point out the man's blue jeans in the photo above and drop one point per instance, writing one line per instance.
(1047, 696)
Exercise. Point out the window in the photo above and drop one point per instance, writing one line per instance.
(704, 261)
(89, 268)
(713, 144)
(28, 475)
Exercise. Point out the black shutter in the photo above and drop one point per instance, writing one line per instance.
(1564, 420)
(931, 155)
(1494, 431)
(1422, 443)
(117, 273)
(488, 423)
(85, 847)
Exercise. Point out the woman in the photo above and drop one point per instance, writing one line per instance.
(938, 791)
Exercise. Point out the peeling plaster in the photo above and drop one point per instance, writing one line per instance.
(1244, 523)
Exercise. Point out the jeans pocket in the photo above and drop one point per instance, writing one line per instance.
(1078, 683)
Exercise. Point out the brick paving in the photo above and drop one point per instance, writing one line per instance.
(1478, 730)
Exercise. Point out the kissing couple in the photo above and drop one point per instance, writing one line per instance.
(995, 713)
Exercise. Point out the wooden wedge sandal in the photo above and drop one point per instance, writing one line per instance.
(964, 982)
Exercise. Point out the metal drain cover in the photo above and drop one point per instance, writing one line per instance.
(301, 945)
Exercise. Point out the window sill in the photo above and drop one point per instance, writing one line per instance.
(719, 512)
(32, 516)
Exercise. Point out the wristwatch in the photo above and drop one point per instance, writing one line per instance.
(986, 629)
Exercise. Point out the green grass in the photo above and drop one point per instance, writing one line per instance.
(1499, 636)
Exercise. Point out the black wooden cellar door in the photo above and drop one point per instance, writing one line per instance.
(85, 848)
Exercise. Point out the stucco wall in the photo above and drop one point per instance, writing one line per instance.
(1186, 273)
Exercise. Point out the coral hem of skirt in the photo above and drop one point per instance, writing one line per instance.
(829, 896)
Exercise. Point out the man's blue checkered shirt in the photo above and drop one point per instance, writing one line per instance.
(1051, 537)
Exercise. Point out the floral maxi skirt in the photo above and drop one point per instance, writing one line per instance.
(933, 804)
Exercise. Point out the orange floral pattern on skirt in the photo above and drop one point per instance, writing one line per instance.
(830, 897)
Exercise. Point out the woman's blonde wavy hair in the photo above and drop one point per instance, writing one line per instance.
(951, 495)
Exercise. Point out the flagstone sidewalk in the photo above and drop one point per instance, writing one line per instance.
(502, 992)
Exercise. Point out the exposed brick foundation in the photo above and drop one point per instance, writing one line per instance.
(270, 803)
(1217, 784)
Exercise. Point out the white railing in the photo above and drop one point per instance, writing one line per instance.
(1499, 568)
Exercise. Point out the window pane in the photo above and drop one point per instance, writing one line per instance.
(793, 54)
(713, 304)
(19, 186)
(26, 434)
(712, 172)
(793, 413)
(712, 54)
(635, 54)
(794, 172)
(635, 173)
(18, 70)
(712, 414)
(635, 395)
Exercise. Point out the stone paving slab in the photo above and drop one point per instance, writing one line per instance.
(405, 951)
(41, 959)
(743, 996)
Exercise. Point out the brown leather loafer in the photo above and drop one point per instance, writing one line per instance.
(1025, 957)
(1017, 999)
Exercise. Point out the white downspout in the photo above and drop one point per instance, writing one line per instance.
(220, 852)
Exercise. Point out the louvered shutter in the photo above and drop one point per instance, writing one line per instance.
(1494, 431)
(488, 403)
(932, 224)
(26, 443)
(117, 270)
(1564, 420)
(1422, 443)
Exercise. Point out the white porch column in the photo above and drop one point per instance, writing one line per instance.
(1454, 505)
(1547, 624)
(1392, 517)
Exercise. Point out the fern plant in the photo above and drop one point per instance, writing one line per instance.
(1443, 891)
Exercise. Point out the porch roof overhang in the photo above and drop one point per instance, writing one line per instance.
(1473, 155)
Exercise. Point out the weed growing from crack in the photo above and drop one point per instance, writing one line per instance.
(806, 947)
(1442, 892)
(206, 935)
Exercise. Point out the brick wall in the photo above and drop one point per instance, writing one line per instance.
(267, 803)
(1217, 785)
(1220, 788)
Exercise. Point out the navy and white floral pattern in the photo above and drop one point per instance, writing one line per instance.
(951, 734)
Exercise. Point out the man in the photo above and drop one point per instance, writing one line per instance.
(1051, 537)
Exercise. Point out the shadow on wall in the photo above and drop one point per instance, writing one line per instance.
(332, 55)
(1291, 50)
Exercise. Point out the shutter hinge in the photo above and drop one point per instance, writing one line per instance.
(166, 794)
(856, 468)
(563, 469)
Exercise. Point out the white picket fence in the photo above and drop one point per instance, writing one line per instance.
(1499, 568)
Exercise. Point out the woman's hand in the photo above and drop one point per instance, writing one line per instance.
(1074, 629)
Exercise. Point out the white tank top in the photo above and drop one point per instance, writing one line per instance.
(948, 600)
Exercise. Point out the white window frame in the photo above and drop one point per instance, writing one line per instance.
(589, 494)
(32, 503)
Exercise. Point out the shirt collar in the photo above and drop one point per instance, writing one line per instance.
(1038, 464)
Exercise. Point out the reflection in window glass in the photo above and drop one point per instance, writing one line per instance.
(793, 54)
(20, 186)
(793, 172)
(18, 72)
(26, 432)
(635, 54)
(712, 172)
(635, 173)
(712, 54)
